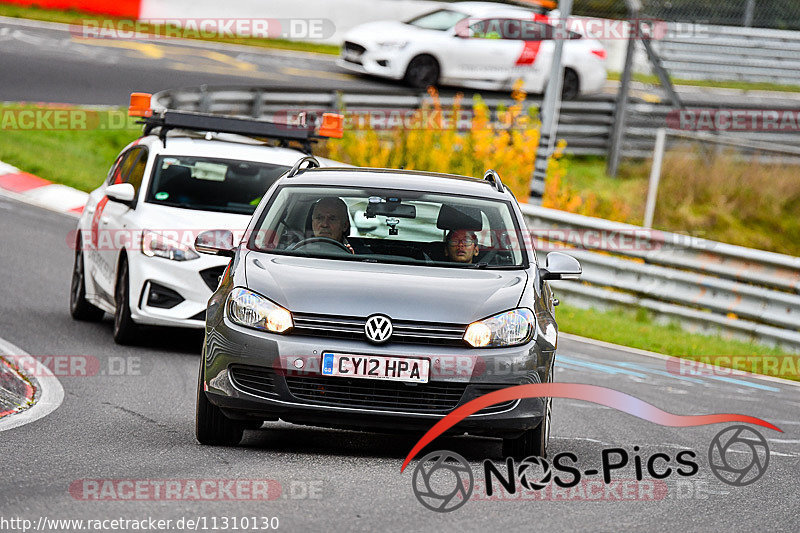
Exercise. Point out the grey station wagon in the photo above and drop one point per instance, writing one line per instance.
(379, 299)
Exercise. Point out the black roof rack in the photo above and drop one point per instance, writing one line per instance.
(492, 177)
(304, 133)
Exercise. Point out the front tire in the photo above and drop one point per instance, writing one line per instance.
(532, 442)
(211, 426)
(125, 329)
(79, 306)
(422, 72)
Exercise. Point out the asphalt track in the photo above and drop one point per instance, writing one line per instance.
(44, 62)
(140, 426)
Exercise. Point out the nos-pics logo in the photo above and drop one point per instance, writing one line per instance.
(443, 481)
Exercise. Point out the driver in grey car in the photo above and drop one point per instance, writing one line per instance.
(329, 219)
(461, 246)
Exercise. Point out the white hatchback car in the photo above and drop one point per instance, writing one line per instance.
(481, 45)
(134, 248)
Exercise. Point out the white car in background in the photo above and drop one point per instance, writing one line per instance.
(481, 45)
(134, 248)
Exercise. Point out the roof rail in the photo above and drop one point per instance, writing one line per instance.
(312, 163)
(492, 177)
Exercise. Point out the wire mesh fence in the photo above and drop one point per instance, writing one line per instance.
(774, 14)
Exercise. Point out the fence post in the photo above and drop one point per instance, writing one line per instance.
(749, 8)
(550, 107)
(618, 126)
(655, 176)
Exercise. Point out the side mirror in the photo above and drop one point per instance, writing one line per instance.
(121, 192)
(560, 266)
(215, 242)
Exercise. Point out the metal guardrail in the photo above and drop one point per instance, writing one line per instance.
(731, 53)
(704, 284)
(585, 125)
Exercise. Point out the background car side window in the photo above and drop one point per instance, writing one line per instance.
(120, 171)
(137, 170)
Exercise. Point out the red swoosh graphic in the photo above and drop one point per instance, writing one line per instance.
(577, 391)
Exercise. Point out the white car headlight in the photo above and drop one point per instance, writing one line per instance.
(252, 310)
(506, 329)
(392, 45)
(157, 245)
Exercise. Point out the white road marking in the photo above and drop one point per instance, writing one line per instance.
(637, 351)
(50, 393)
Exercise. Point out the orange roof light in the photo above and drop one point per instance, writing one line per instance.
(332, 125)
(547, 4)
(140, 105)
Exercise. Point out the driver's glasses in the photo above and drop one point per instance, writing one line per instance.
(462, 242)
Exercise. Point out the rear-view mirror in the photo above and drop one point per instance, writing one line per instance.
(389, 209)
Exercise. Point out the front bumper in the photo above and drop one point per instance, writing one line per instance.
(299, 396)
(185, 278)
(380, 64)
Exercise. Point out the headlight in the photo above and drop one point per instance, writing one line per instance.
(506, 329)
(393, 45)
(252, 310)
(157, 245)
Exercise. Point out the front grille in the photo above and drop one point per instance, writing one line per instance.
(353, 47)
(437, 397)
(434, 397)
(404, 331)
(255, 380)
(211, 276)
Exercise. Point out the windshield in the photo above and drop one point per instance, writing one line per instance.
(442, 20)
(210, 184)
(390, 226)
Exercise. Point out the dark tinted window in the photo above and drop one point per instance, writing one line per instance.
(124, 162)
(210, 184)
(137, 170)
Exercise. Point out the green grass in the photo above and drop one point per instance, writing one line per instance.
(714, 196)
(77, 158)
(78, 17)
(637, 329)
(652, 79)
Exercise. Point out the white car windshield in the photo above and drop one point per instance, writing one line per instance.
(441, 19)
(211, 184)
(390, 226)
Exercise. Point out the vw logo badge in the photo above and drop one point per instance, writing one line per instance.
(378, 328)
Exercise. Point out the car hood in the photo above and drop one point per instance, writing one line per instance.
(382, 30)
(402, 292)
